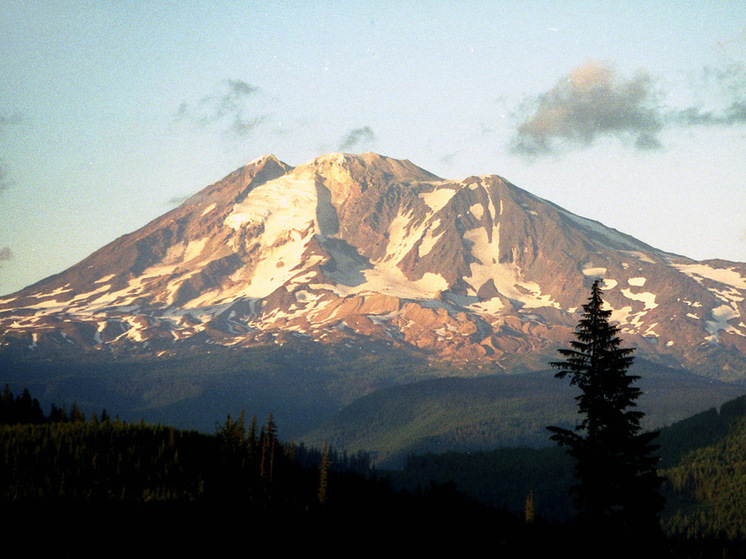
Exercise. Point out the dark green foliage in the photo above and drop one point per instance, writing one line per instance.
(74, 481)
(457, 414)
(700, 431)
(502, 478)
(112, 477)
(19, 409)
(486, 411)
(706, 474)
(64, 457)
(617, 490)
(313, 391)
(703, 459)
(302, 383)
(105, 460)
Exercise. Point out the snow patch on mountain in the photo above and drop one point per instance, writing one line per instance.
(279, 205)
(699, 272)
(720, 321)
(594, 272)
(438, 198)
(647, 298)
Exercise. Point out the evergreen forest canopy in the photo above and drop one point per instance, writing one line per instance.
(67, 462)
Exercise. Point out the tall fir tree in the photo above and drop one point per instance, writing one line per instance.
(617, 485)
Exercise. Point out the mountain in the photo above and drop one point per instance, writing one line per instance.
(360, 247)
(342, 288)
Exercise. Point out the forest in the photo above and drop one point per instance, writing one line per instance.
(62, 470)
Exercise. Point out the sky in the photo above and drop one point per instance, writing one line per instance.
(631, 113)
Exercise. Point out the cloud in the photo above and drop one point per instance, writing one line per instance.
(356, 137)
(6, 121)
(592, 102)
(228, 109)
(448, 158)
(725, 91)
(5, 254)
(5, 182)
(589, 103)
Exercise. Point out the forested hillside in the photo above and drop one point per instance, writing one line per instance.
(483, 412)
(62, 468)
(98, 485)
(703, 459)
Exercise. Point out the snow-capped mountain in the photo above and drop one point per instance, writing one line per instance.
(361, 247)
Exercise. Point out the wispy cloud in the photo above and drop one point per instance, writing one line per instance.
(589, 103)
(5, 122)
(5, 254)
(594, 102)
(357, 137)
(725, 104)
(229, 108)
(726, 46)
(5, 181)
(448, 158)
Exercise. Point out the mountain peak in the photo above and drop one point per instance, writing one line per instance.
(371, 165)
(264, 159)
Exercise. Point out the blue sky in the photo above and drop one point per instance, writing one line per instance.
(630, 113)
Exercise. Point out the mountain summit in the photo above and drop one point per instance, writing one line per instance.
(349, 247)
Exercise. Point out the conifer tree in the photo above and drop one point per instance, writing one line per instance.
(76, 415)
(324, 474)
(529, 508)
(617, 485)
(268, 438)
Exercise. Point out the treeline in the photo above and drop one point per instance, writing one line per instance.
(24, 409)
(456, 413)
(77, 478)
(518, 495)
(64, 456)
(67, 458)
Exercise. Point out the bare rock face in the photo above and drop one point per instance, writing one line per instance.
(369, 247)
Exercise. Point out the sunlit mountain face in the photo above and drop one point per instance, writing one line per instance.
(369, 250)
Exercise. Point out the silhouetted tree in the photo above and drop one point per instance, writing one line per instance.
(324, 474)
(268, 441)
(232, 435)
(617, 485)
(19, 409)
(76, 414)
(529, 508)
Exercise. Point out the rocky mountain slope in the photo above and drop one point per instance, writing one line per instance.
(352, 248)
